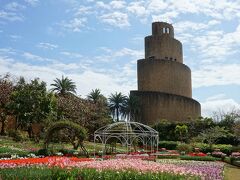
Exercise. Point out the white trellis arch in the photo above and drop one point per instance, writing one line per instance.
(126, 133)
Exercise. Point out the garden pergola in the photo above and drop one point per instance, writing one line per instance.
(127, 133)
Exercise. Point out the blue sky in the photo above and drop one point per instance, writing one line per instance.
(97, 43)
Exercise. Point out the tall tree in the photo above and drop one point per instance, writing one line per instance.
(6, 88)
(211, 135)
(64, 86)
(181, 131)
(95, 96)
(30, 102)
(131, 108)
(116, 104)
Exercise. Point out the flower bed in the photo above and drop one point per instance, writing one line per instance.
(49, 161)
(189, 169)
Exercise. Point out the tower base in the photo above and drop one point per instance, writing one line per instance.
(155, 106)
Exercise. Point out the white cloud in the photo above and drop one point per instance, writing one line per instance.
(102, 5)
(71, 54)
(31, 56)
(137, 8)
(83, 10)
(119, 4)
(15, 37)
(74, 25)
(10, 16)
(117, 19)
(85, 81)
(14, 6)
(47, 46)
(187, 26)
(32, 2)
(216, 74)
(218, 103)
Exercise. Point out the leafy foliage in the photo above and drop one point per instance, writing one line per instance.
(199, 158)
(116, 104)
(64, 86)
(73, 132)
(131, 108)
(168, 144)
(182, 131)
(30, 102)
(6, 88)
(211, 135)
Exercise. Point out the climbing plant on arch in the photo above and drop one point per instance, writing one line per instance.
(76, 134)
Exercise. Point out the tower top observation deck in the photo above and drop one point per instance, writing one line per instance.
(162, 28)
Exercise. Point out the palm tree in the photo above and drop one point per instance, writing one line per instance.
(64, 86)
(131, 108)
(95, 95)
(116, 104)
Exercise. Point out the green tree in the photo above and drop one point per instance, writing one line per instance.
(6, 88)
(85, 112)
(131, 108)
(95, 96)
(181, 131)
(30, 103)
(63, 86)
(211, 135)
(116, 104)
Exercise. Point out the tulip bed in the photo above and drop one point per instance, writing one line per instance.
(87, 168)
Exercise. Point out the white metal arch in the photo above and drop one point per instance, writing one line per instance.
(126, 133)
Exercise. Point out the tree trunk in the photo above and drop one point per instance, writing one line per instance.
(84, 149)
(117, 115)
(29, 130)
(3, 127)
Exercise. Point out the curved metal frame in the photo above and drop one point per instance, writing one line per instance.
(126, 133)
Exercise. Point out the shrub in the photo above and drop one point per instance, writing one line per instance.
(167, 157)
(236, 148)
(16, 135)
(200, 158)
(43, 152)
(205, 148)
(184, 148)
(168, 144)
(225, 148)
(202, 147)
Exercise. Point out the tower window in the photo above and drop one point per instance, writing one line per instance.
(166, 57)
(171, 59)
(164, 30)
(175, 59)
(168, 30)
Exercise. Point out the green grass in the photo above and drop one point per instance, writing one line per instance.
(8, 146)
(86, 174)
(231, 172)
(200, 158)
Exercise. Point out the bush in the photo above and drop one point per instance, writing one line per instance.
(43, 152)
(16, 135)
(167, 157)
(184, 148)
(236, 148)
(171, 145)
(69, 152)
(202, 146)
(200, 158)
(225, 148)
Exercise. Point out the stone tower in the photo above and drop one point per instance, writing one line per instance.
(164, 82)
